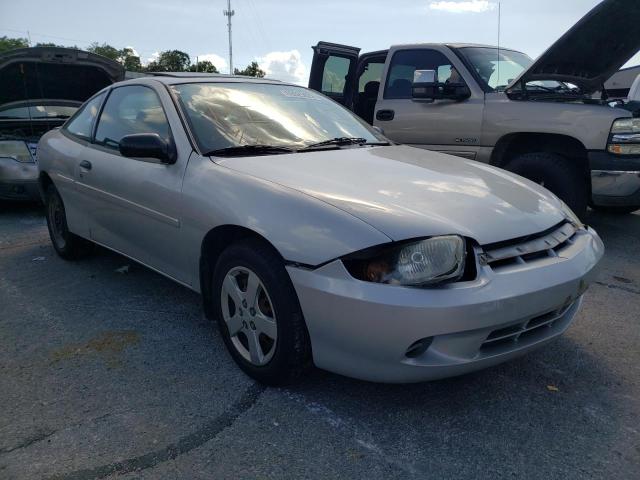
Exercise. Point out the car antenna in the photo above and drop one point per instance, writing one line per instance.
(498, 59)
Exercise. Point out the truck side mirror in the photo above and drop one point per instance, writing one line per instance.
(425, 85)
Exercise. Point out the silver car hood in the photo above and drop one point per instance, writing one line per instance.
(408, 192)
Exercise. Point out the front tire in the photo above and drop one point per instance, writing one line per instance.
(68, 245)
(259, 315)
(563, 177)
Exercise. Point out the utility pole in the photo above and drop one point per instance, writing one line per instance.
(229, 13)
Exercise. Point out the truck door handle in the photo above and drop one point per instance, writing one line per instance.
(385, 115)
(85, 164)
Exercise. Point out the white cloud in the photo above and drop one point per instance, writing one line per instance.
(154, 56)
(135, 52)
(467, 6)
(285, 66)
(219, 62)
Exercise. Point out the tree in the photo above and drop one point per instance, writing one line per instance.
(203, 66)
(252, 70)
(50, 44)
(7, 43)
(170, 61)
(105, 50)
(130, 60)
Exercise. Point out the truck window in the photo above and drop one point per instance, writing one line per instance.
(405, 62)
(335, 73)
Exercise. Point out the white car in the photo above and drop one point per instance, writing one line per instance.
(311, 237)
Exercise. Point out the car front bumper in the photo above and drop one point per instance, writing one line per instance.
(364, 330)
(615, 180)
(18, 181)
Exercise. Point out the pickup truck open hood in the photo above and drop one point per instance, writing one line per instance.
(592, 50)
(54, 73)
(407, 192)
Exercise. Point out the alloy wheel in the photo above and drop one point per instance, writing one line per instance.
(249, 315)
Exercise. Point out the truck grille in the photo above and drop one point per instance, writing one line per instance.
(534, 247)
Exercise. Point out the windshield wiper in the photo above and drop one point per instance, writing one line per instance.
(338, 141)
(247, 150)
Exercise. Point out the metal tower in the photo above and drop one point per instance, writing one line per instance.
(229, 13)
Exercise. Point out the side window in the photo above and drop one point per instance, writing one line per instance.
(335, 73)
(405, 62)
(131, 109)
(372, 73)
(81, 124)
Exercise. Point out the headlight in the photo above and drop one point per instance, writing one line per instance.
(416, 263)
(625, 137)
(16, 149)
(626, 125)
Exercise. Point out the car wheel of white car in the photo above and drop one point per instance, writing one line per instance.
(259, 314)
(65, 243)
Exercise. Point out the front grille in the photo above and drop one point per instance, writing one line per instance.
(549, 243)
(524, 332)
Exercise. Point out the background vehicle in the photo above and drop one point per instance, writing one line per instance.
(309, 235)
(498, 106)
(40, 88)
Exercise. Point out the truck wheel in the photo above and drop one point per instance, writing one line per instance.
(68, 245)
(259, 315)
(556, 173)
(616, 209)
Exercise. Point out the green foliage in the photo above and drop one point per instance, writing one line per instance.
(130, 60)
(252, 70)
(203, 66)
(170, 61)
(49, 44)
(7, 43)
(105, 50)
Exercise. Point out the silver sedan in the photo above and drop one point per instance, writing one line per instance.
(312, 238)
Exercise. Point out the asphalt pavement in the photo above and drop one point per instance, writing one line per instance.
(109, 370)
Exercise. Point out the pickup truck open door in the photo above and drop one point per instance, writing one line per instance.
(333, 70)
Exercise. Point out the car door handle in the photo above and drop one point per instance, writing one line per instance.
(385, 115)
(85, 164)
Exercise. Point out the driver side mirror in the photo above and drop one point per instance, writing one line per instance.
(148, 145)
(426, 87)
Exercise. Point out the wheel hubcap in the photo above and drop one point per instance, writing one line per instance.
(248, 312)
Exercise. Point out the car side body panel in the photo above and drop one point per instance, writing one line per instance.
(303, 229)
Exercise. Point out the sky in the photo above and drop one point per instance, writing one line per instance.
(279, 34)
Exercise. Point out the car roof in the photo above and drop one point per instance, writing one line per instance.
(173, 78)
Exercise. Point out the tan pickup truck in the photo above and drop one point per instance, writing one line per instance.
(536, 118)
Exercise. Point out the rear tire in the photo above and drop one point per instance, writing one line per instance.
(68, 245)
(281, 360)
(563, 177)
(619, 210)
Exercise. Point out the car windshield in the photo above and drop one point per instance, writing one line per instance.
(227, 115)
(498, 68)
(38, 111)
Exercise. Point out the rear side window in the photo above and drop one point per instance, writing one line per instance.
(129, 110)
(405, 62)
(81, 125)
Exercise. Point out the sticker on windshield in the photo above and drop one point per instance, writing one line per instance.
(298, 93)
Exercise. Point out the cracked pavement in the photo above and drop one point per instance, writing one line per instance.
(108, 373)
